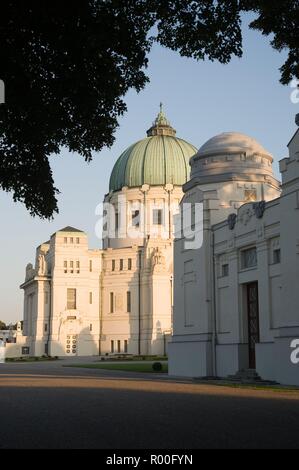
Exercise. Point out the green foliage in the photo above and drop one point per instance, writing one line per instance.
(67, 68)
(2, 326)
(280, 20)
(157, 366)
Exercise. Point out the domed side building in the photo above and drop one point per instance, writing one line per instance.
(236, 289)
(117, 300)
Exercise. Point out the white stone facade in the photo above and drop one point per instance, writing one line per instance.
(117, 300)
(236, 298)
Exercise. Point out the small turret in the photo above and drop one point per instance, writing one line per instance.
(161, 126)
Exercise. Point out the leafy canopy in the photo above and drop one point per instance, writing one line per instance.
(68, 65)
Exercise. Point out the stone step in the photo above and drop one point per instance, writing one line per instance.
(249, 376)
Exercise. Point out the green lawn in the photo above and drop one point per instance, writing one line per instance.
(142, 367)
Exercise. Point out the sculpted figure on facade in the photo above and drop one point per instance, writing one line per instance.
(232, 220)
(158, 260)
(30, 272)
(259, 209)
(42, 265)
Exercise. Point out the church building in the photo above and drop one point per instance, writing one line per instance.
(117, 299)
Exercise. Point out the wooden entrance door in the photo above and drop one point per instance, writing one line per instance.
(253, 321)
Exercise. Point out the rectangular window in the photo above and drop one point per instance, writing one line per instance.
(71, 240)
(65, 267)
(129, 302)
(46, 327)
(121, 265)
(118, 346)
(111, 302)
(276, 256)
(135, 219)
(71, 299)
(158, 217)
(78, 266)
(90, 298)
(78, 241)
(225, 270)
(90, 327)
(113, 265)
(130, 264)
(126, 346)
(65, 240)
(249, 258)
(72, 266)
(112, 346)
(90, 266)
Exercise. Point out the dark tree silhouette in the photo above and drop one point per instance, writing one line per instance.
(68, 65)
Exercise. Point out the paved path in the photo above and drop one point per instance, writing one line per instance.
(45, 405)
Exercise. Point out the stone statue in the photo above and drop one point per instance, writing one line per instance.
(158, 257)
(232, 220)
(42, 268)
(259, 209)
(158, 260)
(30, 272)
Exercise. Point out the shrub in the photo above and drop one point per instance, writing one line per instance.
(157, 366)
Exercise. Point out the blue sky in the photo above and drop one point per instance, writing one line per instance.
(201, 99)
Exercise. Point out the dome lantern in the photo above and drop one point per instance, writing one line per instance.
(161, 126)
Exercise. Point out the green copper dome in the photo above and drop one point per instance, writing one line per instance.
(159, 159)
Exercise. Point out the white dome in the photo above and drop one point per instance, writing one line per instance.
(231, 142)
(232, 157)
